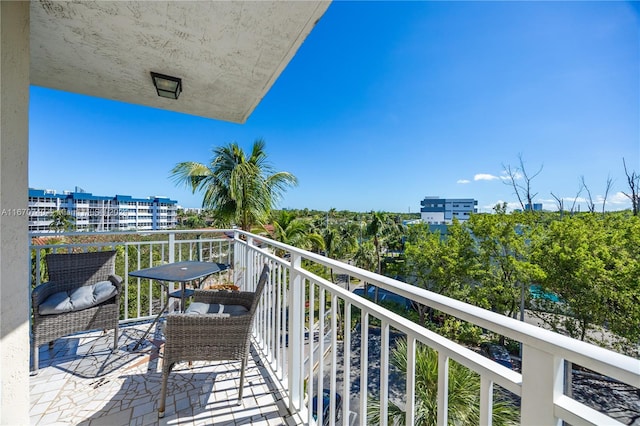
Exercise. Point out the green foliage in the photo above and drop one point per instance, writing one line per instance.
(461, 331)
(593, 265)
(383, 230)
(505, 268)
(295, 232)
(463, 395)
(365, 256)
(61, 221)
(238, 187)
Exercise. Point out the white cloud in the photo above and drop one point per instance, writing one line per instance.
(516, 175)
(484, 176)
(463, 181)
(619, 198)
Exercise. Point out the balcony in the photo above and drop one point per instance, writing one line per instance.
(298, 349)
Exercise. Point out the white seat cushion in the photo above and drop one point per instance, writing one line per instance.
(216, 309)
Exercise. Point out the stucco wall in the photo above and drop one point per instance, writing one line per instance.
(14, 266)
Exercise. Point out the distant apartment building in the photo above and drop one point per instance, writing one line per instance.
(101, 213)
(537, 207)
(441, 211)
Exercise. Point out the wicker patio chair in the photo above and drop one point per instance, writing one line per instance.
(83, 293)
(216, 327)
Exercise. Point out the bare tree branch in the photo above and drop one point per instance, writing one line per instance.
(559, 203)
(606, 192)
(527, 182)
(523, 191)
(575, 199)
(633, 180)
(590, 204)
(513, 175)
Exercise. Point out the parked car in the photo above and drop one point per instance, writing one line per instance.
(326, 406)
(497, 353)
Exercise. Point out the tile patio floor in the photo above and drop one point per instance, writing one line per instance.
(81, 382)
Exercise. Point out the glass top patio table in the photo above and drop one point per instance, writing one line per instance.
(180, 271)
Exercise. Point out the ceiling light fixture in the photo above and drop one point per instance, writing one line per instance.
(167, 86)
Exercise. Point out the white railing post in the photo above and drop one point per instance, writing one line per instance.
(172, 247)
(248, 265)
(411, 381)
(126, 281)
(296, 340)
(486, 401)
(443, 389)
(237, 257)
(542, 384)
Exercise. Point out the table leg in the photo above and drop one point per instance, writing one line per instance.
(155, 321)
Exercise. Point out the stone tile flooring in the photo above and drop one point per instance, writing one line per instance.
(81, 382)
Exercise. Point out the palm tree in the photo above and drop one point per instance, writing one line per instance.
(61, 221)
(463, 398)
(375, 229)
(239, 188)
(365, 256)
(296, 232)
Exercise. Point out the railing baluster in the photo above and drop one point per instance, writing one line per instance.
(295, 321)
(364, 366)
(486, 401)
(334, 359)
(126, 281)
(321, 350)
(443, 388)
(278, 311)
(411, 381)
(346, 363)
(286, 283)
(311, 349)
(139, 285)
(384, 373)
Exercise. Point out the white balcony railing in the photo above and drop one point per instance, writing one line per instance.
(299, 304)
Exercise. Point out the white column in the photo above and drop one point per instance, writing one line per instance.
(542, 384)
(14, 225)
(294, 329)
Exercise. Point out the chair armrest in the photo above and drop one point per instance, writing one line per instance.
(41, 292)
(243, 298)
(116, 280)
(182, 319)
(206, 329)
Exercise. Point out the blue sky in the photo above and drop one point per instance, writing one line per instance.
(388, 102)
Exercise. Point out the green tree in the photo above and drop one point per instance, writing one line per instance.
(365, 256)
(593, 265)
(505, 268)
(238, 187)
(338, 243)
(382, 229)
(445, 264)
(296, 232)
(463, 396)
(61, 221)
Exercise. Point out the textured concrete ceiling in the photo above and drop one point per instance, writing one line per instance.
(228, 54)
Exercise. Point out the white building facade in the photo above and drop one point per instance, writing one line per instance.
(101, 213)
(442, 211)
